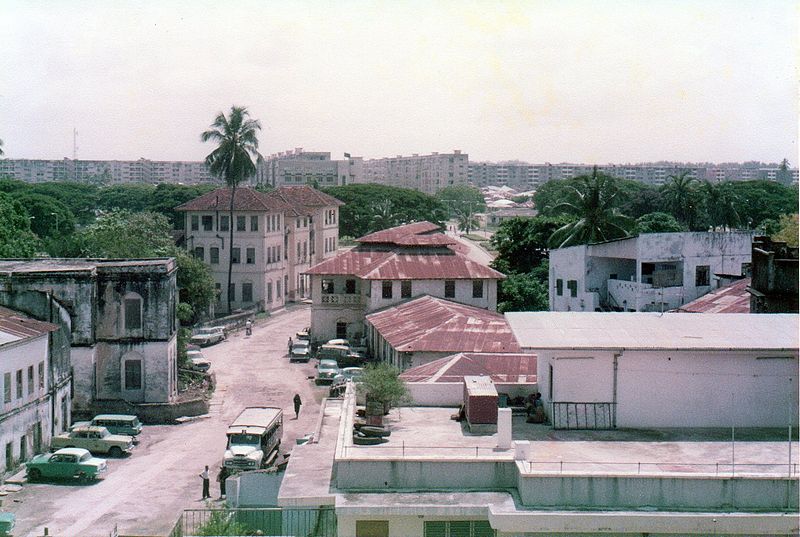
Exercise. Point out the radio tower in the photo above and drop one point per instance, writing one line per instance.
(74, 153)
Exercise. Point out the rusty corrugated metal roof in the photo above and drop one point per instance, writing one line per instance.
(394, 234)
(429, 324)
(503, 368)
(16, 326)
(733, 298)
(303, 198)
(247, 199)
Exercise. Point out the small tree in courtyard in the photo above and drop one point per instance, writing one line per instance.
(381, 383)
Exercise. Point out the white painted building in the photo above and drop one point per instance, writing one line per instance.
(298, 167)
(426, 173)
(606, 370)
(651, 272)
(26, 417)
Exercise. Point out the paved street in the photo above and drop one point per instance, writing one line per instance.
(145, 492)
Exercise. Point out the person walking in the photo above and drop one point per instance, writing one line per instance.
(290, 344)
(204, 477)
(221, 477)
(297, 403)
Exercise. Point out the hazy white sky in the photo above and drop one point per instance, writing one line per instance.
(541, 81)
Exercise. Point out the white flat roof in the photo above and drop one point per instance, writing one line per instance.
(709, 331)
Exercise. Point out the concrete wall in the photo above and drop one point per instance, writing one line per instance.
(399, 525)
(463, 293)
(158, 364)
(424, 475)
(254, 489)
(452, 393)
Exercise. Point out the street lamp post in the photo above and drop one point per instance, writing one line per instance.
(56, 215)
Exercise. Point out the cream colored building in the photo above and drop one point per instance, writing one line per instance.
(277, 236)
(426, 173)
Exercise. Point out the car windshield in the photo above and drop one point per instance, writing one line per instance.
(102, 433)
(207, 331)
(85, 457)
(328, 364)
(245, 440)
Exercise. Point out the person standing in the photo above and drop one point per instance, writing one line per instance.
(204, 477)
(290, 345)
(297, 403)
(221, 477)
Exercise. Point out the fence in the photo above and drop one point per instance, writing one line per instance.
(319, 522)
(580, 415)
(718, 469)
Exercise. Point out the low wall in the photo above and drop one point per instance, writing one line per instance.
(148, 413)
(353, 475)
(452, 393)
(254, 489)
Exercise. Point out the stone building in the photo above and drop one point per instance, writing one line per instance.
(120, 316)
(774, 286)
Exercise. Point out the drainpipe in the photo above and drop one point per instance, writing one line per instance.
(614, 394)
(51, 367)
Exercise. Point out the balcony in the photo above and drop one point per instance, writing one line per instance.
(342, 300)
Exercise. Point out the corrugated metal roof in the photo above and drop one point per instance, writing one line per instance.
(393, 234)
(503, 368)
(428, 324)
(732, 298)
(710, 331)
(303, 198)
(15, 326)
(404, 264)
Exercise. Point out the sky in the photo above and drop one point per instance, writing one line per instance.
(537, 81)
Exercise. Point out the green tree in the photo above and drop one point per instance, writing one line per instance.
(788, 228)
(236, 137)
(124, 234)
(593, 201)
(467, 222)
(637, 199)
(757, 201)
(81, 198)
(522, 243)
(167, 196)
(720, 205)
(681, 198)
(16, 237)
(522, 292)
(8, 185)
(50, 218)
(381, 382)
(195, 286)
(461, 199)
(658, 222)
(134, 197)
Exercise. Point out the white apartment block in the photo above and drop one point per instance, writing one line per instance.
(651, 272)
(111, 171)
(277, 236)
(426, 173)
(298, 167)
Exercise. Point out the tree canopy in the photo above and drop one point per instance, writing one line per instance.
(16, 237)
(658, 222)
(381, 383)
(461, 200)
(522, 243)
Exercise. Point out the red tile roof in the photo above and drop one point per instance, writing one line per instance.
(295, 200)
(405, 264)
(303, 198)
(505, 368)
(399, 233)
(732, 298)
(19, 326)
(428, 324)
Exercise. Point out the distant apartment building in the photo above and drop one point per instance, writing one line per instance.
(277, 236)
(524, 176)
(299, 167)
(426, 173)
(110, 171)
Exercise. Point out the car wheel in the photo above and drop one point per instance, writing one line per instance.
(34, 474)
(115, 451)
(83, 477)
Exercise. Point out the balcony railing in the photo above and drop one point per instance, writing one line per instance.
(342, 300)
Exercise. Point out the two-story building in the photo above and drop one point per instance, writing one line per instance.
(277, 235)
(651, 272)
(392, 266)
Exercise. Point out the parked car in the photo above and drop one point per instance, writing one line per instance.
(94, 439)
(7, 522)
(348, 373)
(301, 351)
(305, 334)
(198, 361)
(326, 370)
(115, 423)
(66, 463)
(208, 336)
(343, 355)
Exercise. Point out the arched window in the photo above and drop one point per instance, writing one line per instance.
(132, 311)
(132, 371)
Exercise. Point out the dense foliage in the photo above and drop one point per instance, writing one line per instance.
(461, 200)
(16, 237)
(371, 207)
(381, 382)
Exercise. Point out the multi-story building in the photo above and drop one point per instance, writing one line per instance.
(28, 411)
(298, 167)
(110, 171)
(277, 236)
(651, 272)
(426, 173)
(391, 266)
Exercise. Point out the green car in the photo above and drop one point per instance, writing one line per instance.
(66, 463)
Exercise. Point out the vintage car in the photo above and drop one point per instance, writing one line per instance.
(326, 370)
(339, 384)
(94, 439)
(126, 424)
(304, 334)
(66, 463)
(197, 361)
(208, 336)
(301, 351)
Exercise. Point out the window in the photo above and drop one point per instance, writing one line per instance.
(200, 253)
(9, 455)
(747, 269)
(133, 374)
(350, 287)
(23, 448)
(559, 287)
(30, 380)
(213, 252)
(450, 289)
(218, 291)
(195, 222)
(386, 289)
(236, 255)
(458, 528)
(41, 375)
(372, 528)
(269, 291)
(477, 288)
(305, 250)
(133, 313)
(208, 223)
(253, 223)
(7, 387)
(251, 255)
(327, 287)
(232, 292)
(247, 292)
(341, 330)
(298, 250)
(19, 383)
(224, 223)
(278, 289)
(241, 223)
(702, 275)
(405, 289)
(572, 285)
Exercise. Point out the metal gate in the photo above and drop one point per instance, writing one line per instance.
(580, 415)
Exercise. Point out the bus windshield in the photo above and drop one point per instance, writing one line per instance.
(244, 440)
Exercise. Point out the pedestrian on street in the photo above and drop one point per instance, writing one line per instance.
(221, 477)
(290, 344)
(297, 403)
(204, 476)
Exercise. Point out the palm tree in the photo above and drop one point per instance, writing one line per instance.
(232, 160)
(593, 202)
(680, 197)
(467, 221)
(720, 203)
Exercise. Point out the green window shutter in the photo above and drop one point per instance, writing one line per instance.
(460, 528)
(436, 529)
(481, 528)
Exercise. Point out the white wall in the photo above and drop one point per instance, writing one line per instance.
(452, 393)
